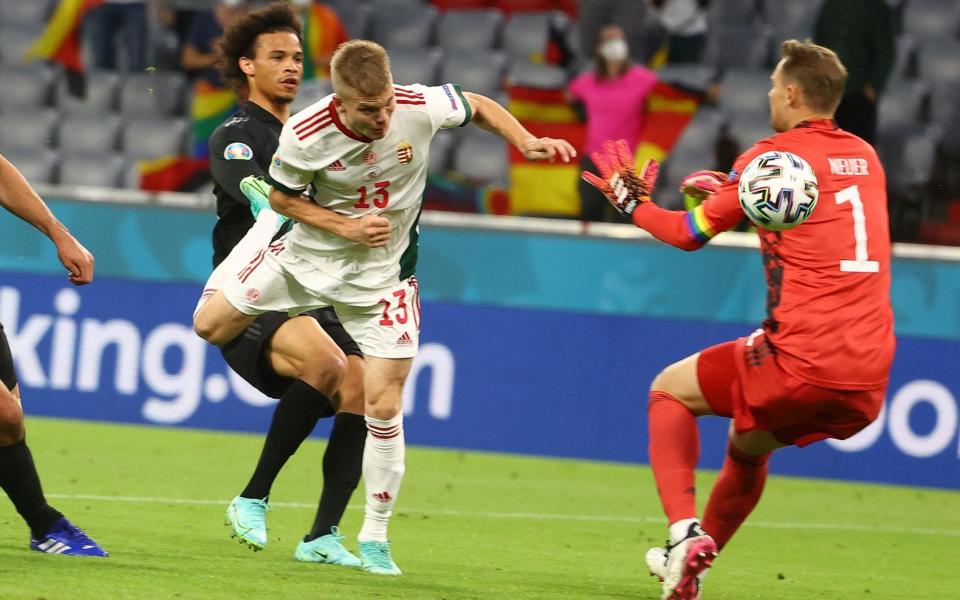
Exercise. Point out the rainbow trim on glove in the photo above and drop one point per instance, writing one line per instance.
(699, 226)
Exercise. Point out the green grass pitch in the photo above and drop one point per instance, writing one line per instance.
(468, 525)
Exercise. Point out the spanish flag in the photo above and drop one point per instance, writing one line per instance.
(322, 33)
(551, 188)
(60, 41)
(543, 188)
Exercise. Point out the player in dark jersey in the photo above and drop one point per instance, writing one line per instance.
(819, 366)
(286, 358)
(50, 531)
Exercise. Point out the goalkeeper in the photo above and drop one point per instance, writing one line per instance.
(283, 357)
(820, 364)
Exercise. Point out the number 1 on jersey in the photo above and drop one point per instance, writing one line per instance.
(859, 264)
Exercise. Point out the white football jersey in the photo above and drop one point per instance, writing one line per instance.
(355, 176)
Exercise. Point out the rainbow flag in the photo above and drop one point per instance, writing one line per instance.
(322, 33)
(211, 107)
(60, 41)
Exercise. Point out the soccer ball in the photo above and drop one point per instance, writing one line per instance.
(778, 190)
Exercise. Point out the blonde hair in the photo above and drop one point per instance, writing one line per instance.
(361, 65)
(817, 71)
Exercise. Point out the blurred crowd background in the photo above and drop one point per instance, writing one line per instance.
(124, 93)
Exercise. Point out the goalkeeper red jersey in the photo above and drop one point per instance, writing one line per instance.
(829, 316)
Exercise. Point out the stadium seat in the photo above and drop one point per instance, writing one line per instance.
(743, 47)
(27, 86)
(101, 96)
(475, 72)
(514, 6)
(15, 41)
(24, 13)
(477, 30)
(80, 134)
(745, 93)
(692, 152)
(28, 128)
(481, 156)
(792, 20)
(692, 77)
(354, 15)
(310, 92)
(152, 94)
(901, 107)
(416, 66)
(441, 149)
(930, 19)
(154, 138)
(38, 166)
(526, 36)
(398, 24)
(738, 12)
(462, 4)
(905, 63)
(748, 130)
(99, 170)
(548, 77)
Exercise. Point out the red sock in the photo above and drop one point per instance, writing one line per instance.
(674, 450)
(735, 494)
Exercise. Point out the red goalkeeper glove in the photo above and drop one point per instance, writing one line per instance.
(701, 184)
(618, 180)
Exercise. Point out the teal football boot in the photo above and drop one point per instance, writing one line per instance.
(257, 192)
(248, 519)
(375, 558)
(327, 549)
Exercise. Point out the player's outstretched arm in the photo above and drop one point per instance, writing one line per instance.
(630, 193)
(369, 230)
(19, 198)
(489, 115)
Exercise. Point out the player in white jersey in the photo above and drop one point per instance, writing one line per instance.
(364, 152)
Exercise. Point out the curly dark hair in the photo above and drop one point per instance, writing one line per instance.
(240, 39)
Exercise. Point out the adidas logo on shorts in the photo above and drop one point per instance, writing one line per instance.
(404, 340)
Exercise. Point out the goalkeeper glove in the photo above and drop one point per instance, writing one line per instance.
(618, 180)
(701, 184)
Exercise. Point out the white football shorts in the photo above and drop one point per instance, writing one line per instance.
(384, 322)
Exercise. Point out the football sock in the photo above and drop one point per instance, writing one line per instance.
(674, 450)
(383, 467)
(293, 419)
(342, 465)
(735, 494)
(256, 239)
(19, 479)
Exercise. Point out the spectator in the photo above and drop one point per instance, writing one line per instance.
(123, 20)
(686, 24)
(862, 33)
(201, 51)
(614, 101)
(629, 14)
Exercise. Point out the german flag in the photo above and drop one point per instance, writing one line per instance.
(60, 41)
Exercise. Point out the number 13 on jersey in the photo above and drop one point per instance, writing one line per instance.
(380, 196)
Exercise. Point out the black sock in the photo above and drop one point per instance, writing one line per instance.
(19, 479)
(293, 419)
(342, 465)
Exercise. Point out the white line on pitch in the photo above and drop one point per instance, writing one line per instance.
(528, 515)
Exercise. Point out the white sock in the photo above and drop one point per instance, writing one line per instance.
(679, 529)
(383, 467)
(257, 238)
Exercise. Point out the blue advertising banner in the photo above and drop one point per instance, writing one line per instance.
(547, 382)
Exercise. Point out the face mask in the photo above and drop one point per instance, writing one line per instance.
(614, 50)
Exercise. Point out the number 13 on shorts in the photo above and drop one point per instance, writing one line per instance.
(399, 320)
